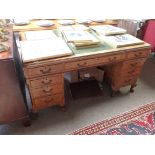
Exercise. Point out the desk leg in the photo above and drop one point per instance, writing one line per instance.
(27, 122)
(63, 108)
(34, 115)
(132, 88)
(115, 90)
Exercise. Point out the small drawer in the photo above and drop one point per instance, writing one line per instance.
(133, 64)
(43, 70)
(46, 81)
(80, 64)
(44, 102)
(47, 90)
(138, 54)
(111, 59)
(132, 72)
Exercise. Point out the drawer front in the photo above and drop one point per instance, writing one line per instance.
(47, 101)
(46, 81)
(43, 70)
(92, 62)
(133, 64)
(138, 54)
(47, 90)
(111, 59)
(80, 64)
(132, 72)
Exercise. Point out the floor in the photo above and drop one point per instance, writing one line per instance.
(82, 112)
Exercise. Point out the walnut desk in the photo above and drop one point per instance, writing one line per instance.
(45, 77)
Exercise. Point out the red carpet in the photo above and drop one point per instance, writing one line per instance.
(140, 121)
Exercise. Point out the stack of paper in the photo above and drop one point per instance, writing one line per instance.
(81, 39)
(107, 30)
(122, 40)
(44, 49)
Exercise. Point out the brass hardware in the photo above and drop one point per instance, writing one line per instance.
(46, 82)
(126, 81)
(138, 54)
(46, 71)
(112, 59)
(133, 64)
(82, 65)
(47, 89)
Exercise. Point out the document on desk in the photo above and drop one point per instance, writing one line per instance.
(43, 49)
(122, 40)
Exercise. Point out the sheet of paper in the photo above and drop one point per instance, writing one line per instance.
(47, 48)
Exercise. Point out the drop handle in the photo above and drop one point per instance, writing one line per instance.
(82, 64)
(46, 82)
(138, 54)
(112, 59)
(46, 90)
(133, 65)
(46, 70)
(126, 81)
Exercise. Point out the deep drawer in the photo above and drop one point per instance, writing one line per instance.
(47, 90)
(44, 102)
(138, 54)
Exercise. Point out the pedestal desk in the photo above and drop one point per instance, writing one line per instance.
(45, 77)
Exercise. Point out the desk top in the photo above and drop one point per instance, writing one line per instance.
(104, 49)
(101, 50)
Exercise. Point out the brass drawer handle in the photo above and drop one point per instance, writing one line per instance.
(47, 90)
(133, 64)
(46, 82)
(112, 59)
(46, 71)
(126, 81)
(82, 65)
(138, 54)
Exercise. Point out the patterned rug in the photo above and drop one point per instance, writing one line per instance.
(140, 121)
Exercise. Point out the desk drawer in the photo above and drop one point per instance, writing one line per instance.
(137, 54)
(46, 80)
(47, 90)
(43, 70)
(132, 72)
(93, 62)
(111, 59)
(133, 64)
(44, 102)
(80, 64)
